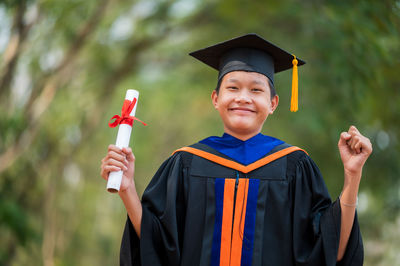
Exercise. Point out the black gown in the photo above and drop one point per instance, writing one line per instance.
(200, 212)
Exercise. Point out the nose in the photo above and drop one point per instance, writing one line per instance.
(243, 97)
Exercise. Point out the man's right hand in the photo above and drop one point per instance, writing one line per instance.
(119, 160)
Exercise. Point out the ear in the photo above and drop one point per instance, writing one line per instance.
(214, 98)
(274, 103)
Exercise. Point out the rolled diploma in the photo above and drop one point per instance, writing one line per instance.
(123, 137)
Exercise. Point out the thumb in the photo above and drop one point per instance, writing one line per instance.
(344, 137)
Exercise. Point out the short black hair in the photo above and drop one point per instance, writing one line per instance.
(271, 86)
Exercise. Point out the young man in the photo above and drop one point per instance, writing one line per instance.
(243, 198)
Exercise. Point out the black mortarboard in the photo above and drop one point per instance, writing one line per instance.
(250, 53)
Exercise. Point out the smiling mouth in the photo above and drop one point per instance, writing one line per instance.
(241, 109)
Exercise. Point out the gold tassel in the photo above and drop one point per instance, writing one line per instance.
(294, 105)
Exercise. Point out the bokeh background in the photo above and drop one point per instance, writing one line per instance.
(65, 66)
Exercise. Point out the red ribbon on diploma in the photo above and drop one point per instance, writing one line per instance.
(125, 117)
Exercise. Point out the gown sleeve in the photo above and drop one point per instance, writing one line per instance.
(316, 222)
(162, 220)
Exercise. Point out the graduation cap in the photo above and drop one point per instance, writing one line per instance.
(251, 53)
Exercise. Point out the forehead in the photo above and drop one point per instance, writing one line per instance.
(245, 77)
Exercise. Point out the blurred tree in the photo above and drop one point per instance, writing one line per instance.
(64, 69)
(76, 53)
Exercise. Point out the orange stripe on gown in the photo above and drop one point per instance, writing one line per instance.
(237, 166)
(226, 230)
(238, 226)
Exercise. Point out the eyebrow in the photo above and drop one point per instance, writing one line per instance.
(258, 82)
(233, 80)
(254, 81)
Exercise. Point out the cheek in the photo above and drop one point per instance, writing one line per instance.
(265, 108)
(223, 102)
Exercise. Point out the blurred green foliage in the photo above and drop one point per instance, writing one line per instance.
(64, 70)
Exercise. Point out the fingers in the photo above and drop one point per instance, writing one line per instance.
(109, 165)
(344, 137)
(358, 147)
(352, 133)
(124, 154)
(116, 160)
(356, 141)
(122, 165)
(366, 146)
(128, 153)
(116, 156)
(114, 148)
(353, 130)
(105, 171)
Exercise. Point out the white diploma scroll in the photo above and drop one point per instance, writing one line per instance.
(123, 137)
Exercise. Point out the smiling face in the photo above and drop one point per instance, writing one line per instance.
(244, 103)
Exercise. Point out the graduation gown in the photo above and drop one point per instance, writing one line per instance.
(203, 208)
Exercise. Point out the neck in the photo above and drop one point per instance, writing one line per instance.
(242, 136)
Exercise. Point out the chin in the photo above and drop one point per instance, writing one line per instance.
(241, 122)
(241, 128)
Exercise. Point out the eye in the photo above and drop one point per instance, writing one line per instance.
(257, 90)
(232, 88)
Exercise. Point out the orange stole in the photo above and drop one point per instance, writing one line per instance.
(237, 166)
(226, 230)
(238, 226)
(232, 237)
